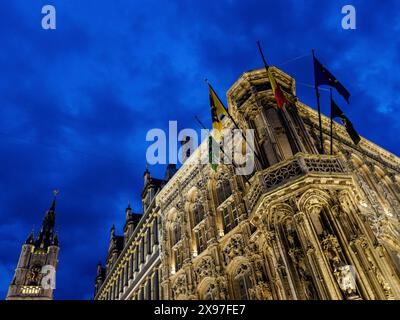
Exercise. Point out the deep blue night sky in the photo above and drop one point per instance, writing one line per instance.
(76, 103)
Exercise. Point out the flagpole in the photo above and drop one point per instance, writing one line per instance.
(236, 125)
(331, 124)
(222, 149)
(287, 121)
(319, 110)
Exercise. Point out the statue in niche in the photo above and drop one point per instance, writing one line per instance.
(345, 276)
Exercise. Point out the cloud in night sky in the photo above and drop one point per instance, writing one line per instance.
(76, 103)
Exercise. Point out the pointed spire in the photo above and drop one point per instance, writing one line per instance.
(30, 238)
(53, 203)
(128, 212)
(55, 240)
(46, 234)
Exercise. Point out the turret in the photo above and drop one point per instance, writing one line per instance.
(146, 176)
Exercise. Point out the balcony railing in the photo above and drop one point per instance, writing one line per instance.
(286, 171)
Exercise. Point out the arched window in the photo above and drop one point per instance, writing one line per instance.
(211, 293)
(242, 283)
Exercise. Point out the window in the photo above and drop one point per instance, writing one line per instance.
(178, 260)
(201, 240)
(126, 274)
(230, 218)
(243, 284)
(198, 213)
(224, 191)
(227, 220)
(155, 286)
(121, 281)
(235, 215)
(130, 274)
(137, 259)
(155, 230)
(148, 286)
(141, 294)
(176, 233)
(142, 250)
(149, 244)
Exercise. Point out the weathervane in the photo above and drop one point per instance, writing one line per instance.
(56, 192)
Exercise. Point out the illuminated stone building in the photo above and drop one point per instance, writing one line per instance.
(305, 225)
(34, 276)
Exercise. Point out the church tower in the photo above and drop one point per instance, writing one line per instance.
(34, 276)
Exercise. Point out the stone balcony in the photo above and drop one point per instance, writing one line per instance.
(286, 172)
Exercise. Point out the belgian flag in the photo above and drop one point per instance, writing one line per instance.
(276, 89)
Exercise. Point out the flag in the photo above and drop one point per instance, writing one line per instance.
(323, 76)
(217, 112)
(276, 89)
(213, 153)
(336, 112)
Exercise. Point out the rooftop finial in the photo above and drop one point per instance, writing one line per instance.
(53, 204)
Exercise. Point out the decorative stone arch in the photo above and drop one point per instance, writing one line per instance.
(241, 278)
(208, 289)
(204, 267)
(356, 160)
(173, 226)
(276, 213)
(179, 287)
(191, 195)
(313, 202)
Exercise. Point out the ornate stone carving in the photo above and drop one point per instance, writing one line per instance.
(235, 247)
(345, 277)
(180, 286)
(332, 250)
(205, 268)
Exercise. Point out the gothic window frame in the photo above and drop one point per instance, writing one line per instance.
(223, 187)
(156, 285)
(149, 242)
(201, 240)
(198, 213)
(176, 233)
(178, 259)
(155, 230)
(242, 281)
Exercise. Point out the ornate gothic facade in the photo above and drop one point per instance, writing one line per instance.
(304, 226)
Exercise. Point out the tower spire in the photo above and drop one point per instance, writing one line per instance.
(46, 234)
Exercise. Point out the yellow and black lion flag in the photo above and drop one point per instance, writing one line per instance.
(218, 111)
